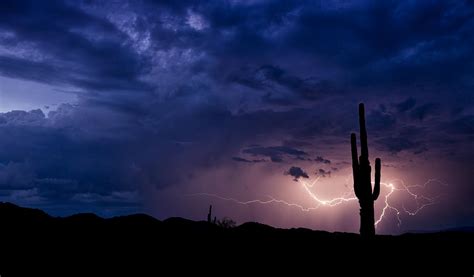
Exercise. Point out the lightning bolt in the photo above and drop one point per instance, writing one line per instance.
(257, 201)
(396, 185)
(388, 206)
(331, 202)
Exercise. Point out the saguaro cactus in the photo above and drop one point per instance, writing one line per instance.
(361, 171)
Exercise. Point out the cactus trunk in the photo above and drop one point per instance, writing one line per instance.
(209, 215)
(361, 171)
(367, 222)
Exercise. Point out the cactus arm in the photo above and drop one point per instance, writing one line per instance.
(364, 149)
(355, 164)
(376, 192)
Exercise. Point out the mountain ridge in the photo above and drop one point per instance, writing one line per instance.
(86, 243)
(24, 215)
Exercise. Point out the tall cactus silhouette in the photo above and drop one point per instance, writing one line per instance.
(361, 171)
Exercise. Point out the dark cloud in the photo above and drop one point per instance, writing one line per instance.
(106, 49)
(425, 110)
(65, 159)
(280, 87)
(276, 159)
(76, 48)
(320, 159)
(22, 118)
(406, 105)
(297, 173)
(239, 159)
(16, 175)
(463, 125)
(296, 143)
(397, 144)
(275, 153)
(323, 173)
(303, 158)
(381, 119)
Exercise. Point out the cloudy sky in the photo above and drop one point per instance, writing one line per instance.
(165, 107)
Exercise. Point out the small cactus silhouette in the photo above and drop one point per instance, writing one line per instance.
(361, 171)
(209, 215)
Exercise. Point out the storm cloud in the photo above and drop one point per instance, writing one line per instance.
(174, 95)
(275, 153)
(297, 173)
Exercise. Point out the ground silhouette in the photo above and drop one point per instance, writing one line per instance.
(33, 242)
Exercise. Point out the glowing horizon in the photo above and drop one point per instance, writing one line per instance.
(333, 202)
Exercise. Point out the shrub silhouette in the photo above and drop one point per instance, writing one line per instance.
(226, 223)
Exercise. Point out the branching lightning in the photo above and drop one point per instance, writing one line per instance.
(396, 185)
(258, 201)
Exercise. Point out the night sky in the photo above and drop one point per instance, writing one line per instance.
(165, 107)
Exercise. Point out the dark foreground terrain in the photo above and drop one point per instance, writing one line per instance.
(32, 243)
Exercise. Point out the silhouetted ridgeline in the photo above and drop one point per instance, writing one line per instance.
(32, 241)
